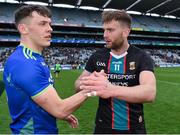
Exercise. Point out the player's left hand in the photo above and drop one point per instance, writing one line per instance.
(72, 120)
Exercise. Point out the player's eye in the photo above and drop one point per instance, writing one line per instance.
(109, 30)
(50, 24)
(42, 23)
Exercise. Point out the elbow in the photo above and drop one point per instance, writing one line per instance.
(61, 115)
(151, 98)
(61, 112)
(151, 95)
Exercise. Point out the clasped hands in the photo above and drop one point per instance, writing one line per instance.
(97, 84)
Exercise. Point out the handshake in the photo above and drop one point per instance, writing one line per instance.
(96, 84)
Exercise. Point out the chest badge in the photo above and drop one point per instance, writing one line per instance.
(132, 65)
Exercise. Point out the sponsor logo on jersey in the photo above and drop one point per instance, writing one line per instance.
(120, 77)
(100, 64)
(132, 65)
(121, 80)
(117, 62)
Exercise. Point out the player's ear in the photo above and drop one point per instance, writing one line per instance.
(126, 32)
(22, 28)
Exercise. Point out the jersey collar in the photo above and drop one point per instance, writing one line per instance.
(119, 56)
(31, 49)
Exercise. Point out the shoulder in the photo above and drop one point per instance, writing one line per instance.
(21, 54)
(101, 52)
(22, 61)
(138, 52)
(135, 49)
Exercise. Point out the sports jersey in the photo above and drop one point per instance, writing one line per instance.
(26, 76)
(123, 70)
(57, 67)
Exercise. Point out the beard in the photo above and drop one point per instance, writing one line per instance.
(116, 45)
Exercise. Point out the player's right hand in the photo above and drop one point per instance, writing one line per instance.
(72, 120)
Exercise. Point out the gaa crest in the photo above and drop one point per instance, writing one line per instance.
(132, 65)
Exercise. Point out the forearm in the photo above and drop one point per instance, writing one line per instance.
(59, 108)
(72, 103)
(135, 94)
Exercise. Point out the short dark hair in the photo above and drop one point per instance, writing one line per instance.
(117, 15)
(26, 11)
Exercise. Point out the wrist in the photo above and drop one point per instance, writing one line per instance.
(110, 89)
(84, 93)
(66, 118)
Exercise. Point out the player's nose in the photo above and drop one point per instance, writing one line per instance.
(50, 28)
(105, 35)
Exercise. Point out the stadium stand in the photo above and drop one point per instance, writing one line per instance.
(81, 17)
(78, 33)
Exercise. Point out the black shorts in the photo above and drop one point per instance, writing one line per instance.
(101, 130)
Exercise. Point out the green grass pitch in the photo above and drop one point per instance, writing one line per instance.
(162, 116)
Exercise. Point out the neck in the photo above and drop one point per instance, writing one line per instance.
(119, 51)
(29, 44)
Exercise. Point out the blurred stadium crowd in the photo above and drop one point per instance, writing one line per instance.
(77, 57)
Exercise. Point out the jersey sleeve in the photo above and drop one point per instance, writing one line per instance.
(31, 78)
(90, 65)
(147, 64)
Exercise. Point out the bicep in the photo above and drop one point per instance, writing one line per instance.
(147, 78)
(148, 85)
(49, 100)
